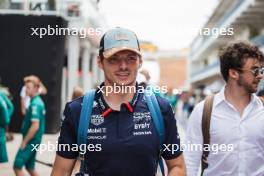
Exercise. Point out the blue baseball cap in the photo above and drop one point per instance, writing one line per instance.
(118, 39)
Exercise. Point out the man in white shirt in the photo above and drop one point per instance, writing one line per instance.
(237, 119)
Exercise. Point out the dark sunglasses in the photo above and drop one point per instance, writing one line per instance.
(255, 71)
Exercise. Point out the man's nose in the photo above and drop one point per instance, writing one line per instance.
(123, 64)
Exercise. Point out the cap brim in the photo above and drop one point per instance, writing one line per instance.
(110, 52)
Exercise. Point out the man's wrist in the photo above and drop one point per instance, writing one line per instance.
(24, 142)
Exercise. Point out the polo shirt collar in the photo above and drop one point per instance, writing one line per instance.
(105, 109)
(34, 98)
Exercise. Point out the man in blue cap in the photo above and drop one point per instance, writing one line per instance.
(122, 138)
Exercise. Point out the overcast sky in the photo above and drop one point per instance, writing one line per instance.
(169, 24)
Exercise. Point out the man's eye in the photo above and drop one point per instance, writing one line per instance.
(132, 58)
(258, 71)
(261, 70)
(113, 60)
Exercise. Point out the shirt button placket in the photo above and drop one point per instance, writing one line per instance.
(241, 149)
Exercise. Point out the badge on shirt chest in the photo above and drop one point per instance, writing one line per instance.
(141, 116)
(97, 119)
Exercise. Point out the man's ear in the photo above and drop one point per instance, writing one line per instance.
(100, 62)
(233, 74)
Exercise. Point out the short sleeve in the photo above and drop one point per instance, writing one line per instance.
(67, 136)
(35, 111)
(171, 146)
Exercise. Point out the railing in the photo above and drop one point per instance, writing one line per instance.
(30, 12)
(65, 8)
(205, 69)
(228, 13)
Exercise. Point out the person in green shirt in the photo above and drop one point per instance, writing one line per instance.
(4, 121)
(32, 130)
(10, 106)
(4, 92)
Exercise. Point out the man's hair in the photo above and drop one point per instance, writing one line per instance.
(77, 92)
(34, 79)
(235, 56)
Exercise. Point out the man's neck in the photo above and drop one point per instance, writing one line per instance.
(114, 99)
(32, 96)
(237, 96)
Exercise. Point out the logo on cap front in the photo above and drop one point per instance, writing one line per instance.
(121, 36)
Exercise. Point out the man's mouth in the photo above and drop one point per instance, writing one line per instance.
(122, 75)
(256, 83)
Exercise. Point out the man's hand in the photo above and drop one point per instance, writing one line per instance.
(31, 133)
(23, 145)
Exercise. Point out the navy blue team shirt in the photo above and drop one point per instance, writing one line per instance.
(128, 139)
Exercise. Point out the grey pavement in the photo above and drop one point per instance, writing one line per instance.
(6, 169)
